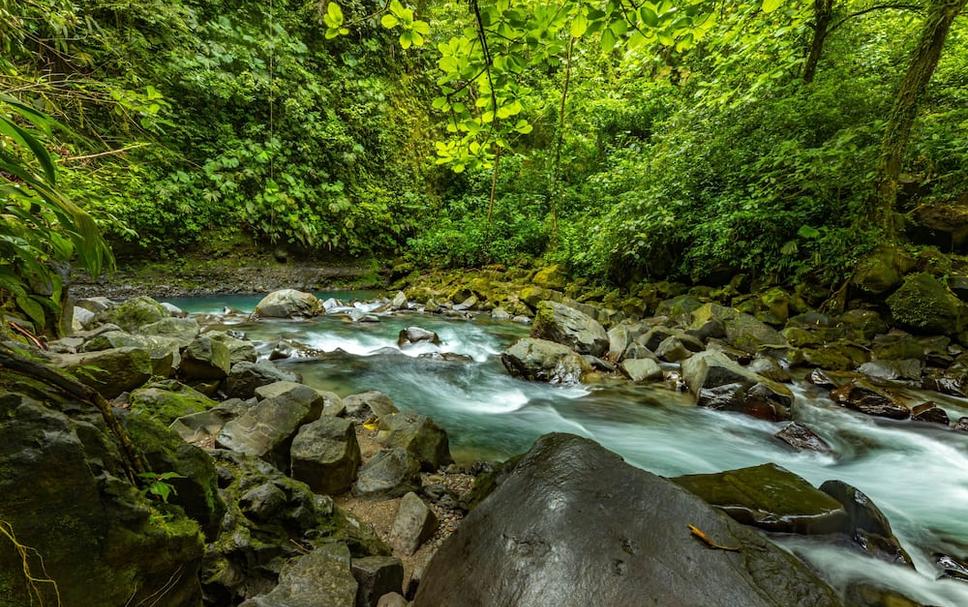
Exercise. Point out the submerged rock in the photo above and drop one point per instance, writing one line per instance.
(929, 412)
(769, 497)
(802, 438)
(565, 325)
(288, 303)
(574, 525)
(543, 360)
(866, 524)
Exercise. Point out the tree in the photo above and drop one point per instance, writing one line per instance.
(924, 59)
(823, 14)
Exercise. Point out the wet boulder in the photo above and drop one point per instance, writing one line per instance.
(111, 371)
(908, 369)
(366, 405)
(565, 325)
(182, 330)
(240, 350)
(543, 360)
(930, 413)
(641, 369)
(802, 438)
(860, 395)
(133, 314)
(289, 303)
(416, 335)
(676, 348)
(413, 525)
(163, 351)
(769, 497)
(168, 400)
(866, 524)
(321, 577)
(572, 524)
(882, 270)
(244, 377)
(267, 428)
(741, 330)
(419, 435)
(720, 383)
(924, 305)
(205, 359)
(325, 455)
(389, 473)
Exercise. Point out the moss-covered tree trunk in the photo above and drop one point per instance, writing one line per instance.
(924, 60)
(823, 11)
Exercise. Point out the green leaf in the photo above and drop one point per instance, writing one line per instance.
(579, 26)
(808, 232)
(389, 21)
(771, 5)
(649, 17)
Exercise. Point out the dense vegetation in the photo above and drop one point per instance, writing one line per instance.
(624, 139)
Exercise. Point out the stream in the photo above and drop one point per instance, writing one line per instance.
(916, 473)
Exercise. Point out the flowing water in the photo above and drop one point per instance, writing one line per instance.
(916, 473)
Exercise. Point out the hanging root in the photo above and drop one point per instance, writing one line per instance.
(33, 583)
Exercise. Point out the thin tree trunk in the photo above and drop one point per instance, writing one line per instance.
(556, 175)
(823, 14)
(924, 60)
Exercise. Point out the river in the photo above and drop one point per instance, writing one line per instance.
(916, 473)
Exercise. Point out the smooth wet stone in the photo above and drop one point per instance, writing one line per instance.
(641, 369)
(543, 360)
(802, 438)
(288, 303)
(931, 413)
(321, 577)
(866, 524)
(865, 398)
(205, 359)
(572, 524)
(769, 497)
(377, 576)
(389, 473)
(909, 369)
(413, 525)
(325, 455)
(416, 335)
(720, 383)
(244, 377)
(419, 435)
(566, 325)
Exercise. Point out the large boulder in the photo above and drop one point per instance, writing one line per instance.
(575, 525)
(182, 330)
(240, 350)
(133, 313)
(719, 383)
(543, 360)
(112, 371)
(64, 494)
(416, 335)
(769, 497)
(244, 377)
(882, 270)
(205, 359)
(168, 400)
(861, 395)
(288, 303)
(550, 277)
(162, 350)
(924, 305)
(641, 369)
(866, 524)
(389, 473)
(322, 577)
(419, 435)
(267, 429)
(565, 325)
(325, 455)
(741, 330)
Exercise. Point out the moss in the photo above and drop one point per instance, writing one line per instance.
(923, 304)
(134, 313)
(169, 400)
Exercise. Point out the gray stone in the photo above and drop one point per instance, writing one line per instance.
(802, 438)
(543, 360)
(720, 383)
(173, 310)
(641, 369)
(366, 405)
(565, 325)
(288, 303)
(416, 335)
(377, 576)
(866, 524)
(81, 319)
(399, 301)
(322, 577)
(326, 456)
(414, 524)
(893, 369)
(95, 304)
(182, 330)
(244, 377)
(240, 350)
(419, 435)
(111, 371)
(205, 359)
(163, 351)
(392, 599)
(133, 313)
(389, 473)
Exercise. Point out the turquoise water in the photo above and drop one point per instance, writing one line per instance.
(916, 473)
(246, 302)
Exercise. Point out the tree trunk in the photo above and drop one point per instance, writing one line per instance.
(823, 11)
(556, 173)
(924, 60)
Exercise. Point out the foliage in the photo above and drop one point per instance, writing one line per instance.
(157, 485)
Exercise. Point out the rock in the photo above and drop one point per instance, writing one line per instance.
(741, 330)
(173, 310)
(866, 524)
(112, 371)
(961, 425)
(270, 518)
(543, 360)
(636, 351)
(942, 223)
(267, 429)
(168, 400)
(288, 303)
(367, 405)
(204, 359)
(182, 330)
(500, 314)
(133, 313)
(802, 438)
(390, 473)
(720, 383)
(882, 270)
(163, 351)
(866, 594)
(419, 435)
(377, 576)
(95, 304)
(574, 525)
(81, 319)
(65, 494)
(326, 456)
(864, 397)
(865, 323)
(769, 368)
(550, 277)
(953, 568)
(245, 377)
(679, 308)
(893, 369)
(413, 525)
(565, 325)
(415, 335)
(392, 599)
(321, 577)
(929, 412)
(769, 497)
(399, 301)
(654, 336)
(924, 305)
(240, 350)
(641, 369)
(676, 348)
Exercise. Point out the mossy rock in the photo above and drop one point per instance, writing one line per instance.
(924, 305)
(168, 400)
(112, 371)
(882, 270)
(133, 313)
